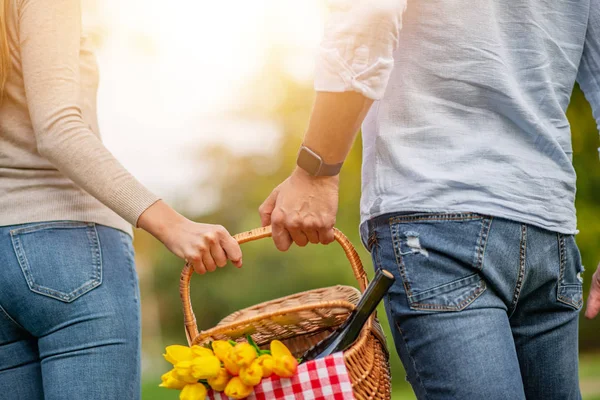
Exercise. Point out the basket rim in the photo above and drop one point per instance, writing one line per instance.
(292, 296)
(223, 329)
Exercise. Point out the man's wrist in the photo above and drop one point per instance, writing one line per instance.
(314, 164)
(301, 173)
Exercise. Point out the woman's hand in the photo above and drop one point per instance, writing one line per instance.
(204, 246)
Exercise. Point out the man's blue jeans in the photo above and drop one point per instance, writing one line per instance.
(482, 307)
(69, 313)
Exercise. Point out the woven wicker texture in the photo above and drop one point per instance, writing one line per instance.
(302, 320)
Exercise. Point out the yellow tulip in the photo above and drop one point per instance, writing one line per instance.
(171, 381)
(177, 353)
(285, 366)
(237, 390)
(279, 349)
(267, 363)
(221, 348)
(183, 370)
(243, 354)
(230, 365)
(252, 374)
(205, 367)
(220, 381)
(199, 351)
(285, 363)
(194, 391)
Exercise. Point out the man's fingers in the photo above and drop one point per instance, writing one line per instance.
(312, 235)
(281, 237)
(593, 303)
(233, 251)
(266, 208)
(326, 235)
(299, 237)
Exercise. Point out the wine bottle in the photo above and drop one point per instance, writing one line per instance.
(348, 332)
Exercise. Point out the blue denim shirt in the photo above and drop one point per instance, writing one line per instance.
(471, 110)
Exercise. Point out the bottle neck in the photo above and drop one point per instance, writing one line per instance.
(370, 299)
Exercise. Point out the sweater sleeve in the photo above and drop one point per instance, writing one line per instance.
(50, 34)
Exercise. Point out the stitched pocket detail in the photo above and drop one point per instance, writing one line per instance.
(61, 260)
(440, 257)
(570, 285)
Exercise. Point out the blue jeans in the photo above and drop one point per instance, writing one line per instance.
(482, 307)
(69, 313)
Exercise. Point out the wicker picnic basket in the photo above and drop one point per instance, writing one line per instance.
(302, 320)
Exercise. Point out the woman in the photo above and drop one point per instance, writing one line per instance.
(69, 307)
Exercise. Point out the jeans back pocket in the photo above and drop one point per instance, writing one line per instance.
(440, 257)
(61, 259)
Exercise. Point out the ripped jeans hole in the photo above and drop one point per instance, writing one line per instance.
(414, 244)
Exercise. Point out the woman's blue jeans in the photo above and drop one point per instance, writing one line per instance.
(69, 313)
(482, 307)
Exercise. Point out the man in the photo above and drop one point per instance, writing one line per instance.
(468, 187)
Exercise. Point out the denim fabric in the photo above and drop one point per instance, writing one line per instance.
(474, 114)
(482, 307)
(69, 313)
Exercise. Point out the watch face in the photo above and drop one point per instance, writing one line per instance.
(309, 161)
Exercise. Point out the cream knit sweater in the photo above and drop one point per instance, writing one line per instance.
(53, 165)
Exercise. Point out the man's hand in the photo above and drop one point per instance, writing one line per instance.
(302, 209)
(593, 303)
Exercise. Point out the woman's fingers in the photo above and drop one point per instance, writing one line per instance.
(218, 254)
(208, 261)
(232, 250)
(198, 266)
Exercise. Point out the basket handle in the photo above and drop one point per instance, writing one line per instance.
(191, 328)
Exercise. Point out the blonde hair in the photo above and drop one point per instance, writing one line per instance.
(4, 50)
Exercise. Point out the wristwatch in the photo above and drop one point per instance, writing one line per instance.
(312, 163)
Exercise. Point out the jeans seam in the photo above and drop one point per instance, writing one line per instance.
(521, 275)
(125, 242)
(399, 260)
(562, 257)
(442, 307)
(561, 284)
(50, 225)
(412, 360)
(372, 240)
(11, 319)
(482, 242)
(436, 217)
(131, 259)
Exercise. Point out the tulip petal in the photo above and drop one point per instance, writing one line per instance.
(279, 349)
(177, 353)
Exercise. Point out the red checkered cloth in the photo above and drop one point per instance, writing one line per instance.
(323, 379)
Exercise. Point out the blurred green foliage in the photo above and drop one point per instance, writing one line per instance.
(243, 181)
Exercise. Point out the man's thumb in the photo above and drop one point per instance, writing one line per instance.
(266, 208)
